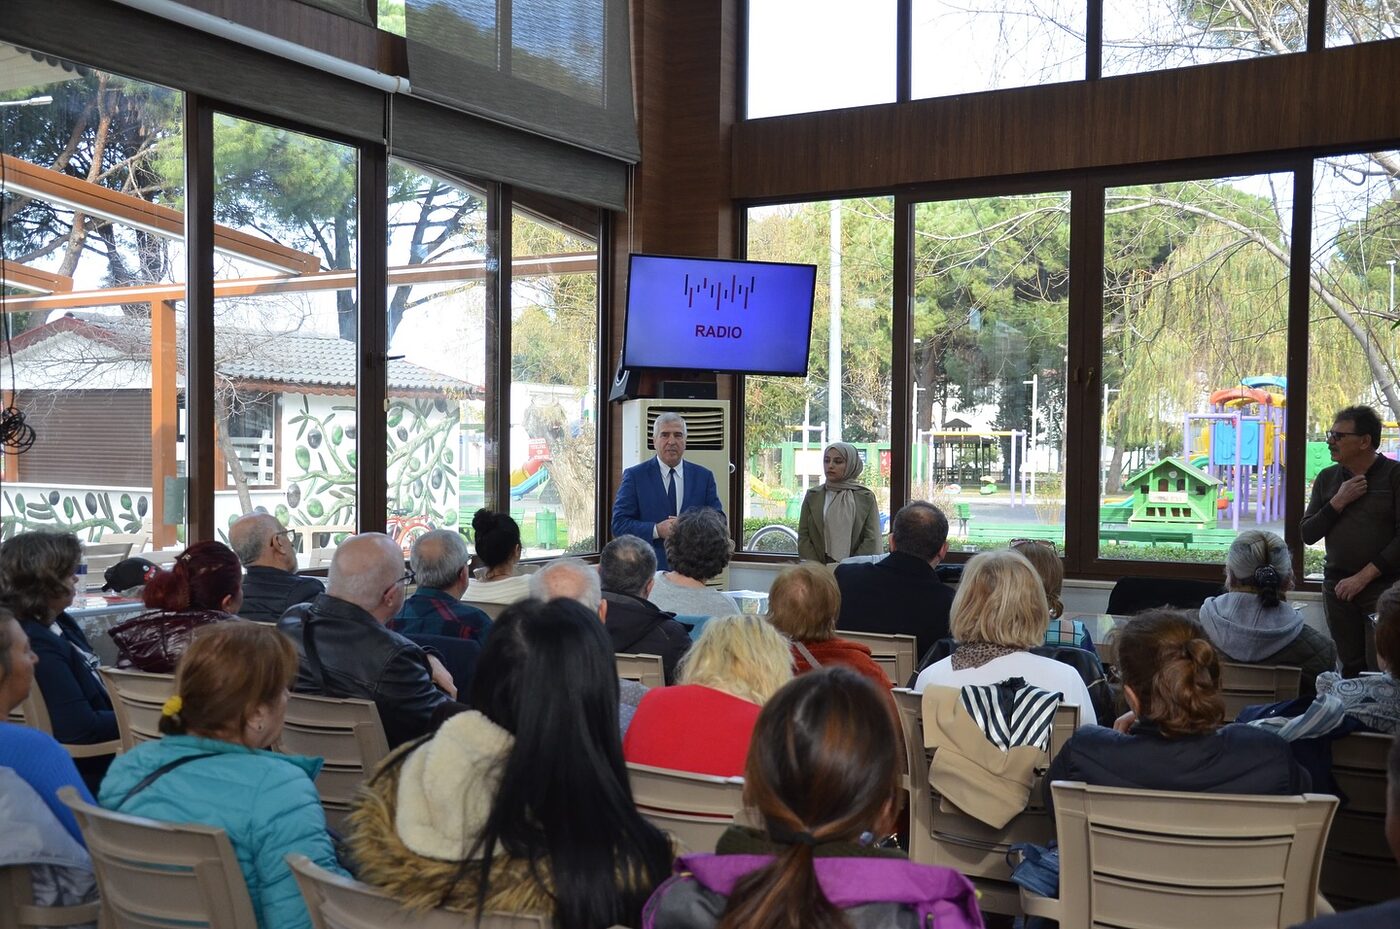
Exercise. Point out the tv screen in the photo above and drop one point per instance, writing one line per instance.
(713, 314)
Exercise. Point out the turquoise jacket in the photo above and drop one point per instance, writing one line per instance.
(266, 802)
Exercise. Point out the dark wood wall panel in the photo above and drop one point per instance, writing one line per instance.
(1341, 97)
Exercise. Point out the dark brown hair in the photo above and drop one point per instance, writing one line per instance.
(821, 769)
(228, 671)
(1167, 660)
(202, 576)
(35, 568)
(1388, 628)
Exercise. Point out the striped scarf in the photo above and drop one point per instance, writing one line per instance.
(1012, 713)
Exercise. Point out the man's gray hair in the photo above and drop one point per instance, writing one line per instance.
(627, 564)
(670, 417)
(438, 558)
(570, 579)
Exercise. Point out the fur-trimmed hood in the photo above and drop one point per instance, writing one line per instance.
(447, 786)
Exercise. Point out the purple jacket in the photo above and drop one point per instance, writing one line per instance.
(874, 892)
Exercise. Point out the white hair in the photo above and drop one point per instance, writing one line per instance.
(670, 417)
(570, 579)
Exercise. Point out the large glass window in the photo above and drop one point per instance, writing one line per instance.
(1149, 35)
(846, 394)
(554, 377)
(963, 48)
(1353, 339)
(1352, 21)
(806, 55)
(1195, 348)
(991, 330)
(94, 301)
(285, 328)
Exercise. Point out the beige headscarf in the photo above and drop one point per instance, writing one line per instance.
(841, 513)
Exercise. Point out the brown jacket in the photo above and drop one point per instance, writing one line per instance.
(967, 769)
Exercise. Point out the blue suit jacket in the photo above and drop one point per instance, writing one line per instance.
(641, 500)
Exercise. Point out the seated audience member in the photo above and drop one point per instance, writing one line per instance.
(840, 517)
(497, 540)
(998, 615)
(522, 803)
(823, 782)
(627, 569)
(214, 766)
(37, 583)
(203, 586)
(1173, 739)
(704, 723)
(271, 584)
(1051, 570)
(345, 650)
(1382, 915)
(34, 756)
(901, 594)
(1374, 699)
(803, 604)
(697, 549)
(572, 579)
(1253, 623)
(440, 560)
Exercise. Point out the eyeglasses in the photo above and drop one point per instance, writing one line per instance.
(1333, 435)
(408, 578)
(293, 536)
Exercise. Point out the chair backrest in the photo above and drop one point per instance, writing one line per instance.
(1358, 867)
(347, 734)
(941, 834)
(34, 713)
(137, 698)
(696, 808)
(646, 669)
(1134, 594)
(154, 875)
(493, 610)
(18, 910)
(1149, 859)
(1243, 685)
(459, 657)
(336, 902)
(895, 654)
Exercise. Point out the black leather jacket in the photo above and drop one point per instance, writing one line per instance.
(354, 656)
(267, 592)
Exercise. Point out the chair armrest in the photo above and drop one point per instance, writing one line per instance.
(1033, 904)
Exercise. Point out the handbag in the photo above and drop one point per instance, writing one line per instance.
(1037, 868)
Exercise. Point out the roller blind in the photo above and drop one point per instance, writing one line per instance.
(359, 10)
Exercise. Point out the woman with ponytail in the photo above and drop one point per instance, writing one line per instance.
(204, 585)
(215, 765)
(1174, 738)
(823, 778)
(1254, 623)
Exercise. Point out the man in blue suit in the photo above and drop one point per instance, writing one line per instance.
(655, 492)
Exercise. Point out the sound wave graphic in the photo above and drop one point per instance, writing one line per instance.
(716, 290)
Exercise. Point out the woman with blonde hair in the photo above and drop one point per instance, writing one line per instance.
(999, 614)
(803, 604)
(840, 517)
(705, 722)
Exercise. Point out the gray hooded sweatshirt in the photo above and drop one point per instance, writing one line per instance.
(1245, 629)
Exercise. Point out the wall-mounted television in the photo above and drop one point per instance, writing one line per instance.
(714, 314)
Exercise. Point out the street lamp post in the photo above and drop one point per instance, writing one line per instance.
(1034, 383)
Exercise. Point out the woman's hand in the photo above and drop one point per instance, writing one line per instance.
(1125, 722)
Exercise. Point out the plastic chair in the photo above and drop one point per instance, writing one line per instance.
(137, 698)
(645, 669)
(1357, 867)
(695, 808)
(154, 875)
(941, 834)
(17, 909)
(895, 654)
(35, 714)
(1134, 594)
(493, 610)
(1243, 685)
(336, 902)
(1168, 860)
(347, 733)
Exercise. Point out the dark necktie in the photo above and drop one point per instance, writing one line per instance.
(671, 492)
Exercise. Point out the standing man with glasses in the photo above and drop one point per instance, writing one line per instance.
(655, 492)
(268, 552)
(1355, 506)
(345, 649)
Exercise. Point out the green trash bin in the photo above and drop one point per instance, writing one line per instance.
(546, 529)
(794, 507)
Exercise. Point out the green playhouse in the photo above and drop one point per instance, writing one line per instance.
(1172, 492)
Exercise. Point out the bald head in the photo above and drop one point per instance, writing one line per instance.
(365, 570)
(259, 539)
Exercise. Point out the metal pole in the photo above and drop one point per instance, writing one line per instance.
(833, 348)
(1030, 452)
(1391, 262)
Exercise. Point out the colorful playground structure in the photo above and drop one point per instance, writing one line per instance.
(1238, 445)
(533, 474)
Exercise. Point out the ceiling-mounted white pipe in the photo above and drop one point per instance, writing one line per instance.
(243, 35)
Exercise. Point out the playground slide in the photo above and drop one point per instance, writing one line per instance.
(530, 484)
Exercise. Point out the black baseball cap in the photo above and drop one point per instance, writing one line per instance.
(128, 573)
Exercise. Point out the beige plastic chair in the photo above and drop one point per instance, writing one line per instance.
(34, 712)
(493, 610)
(1357, 868)
(155, 875)
(1243, 685)
(137, 698)
(336, 902)
(646, 669)
(347, 734)
(99, 556)
(695, 808)
(941, 834)
(1167, 860)
(895, 654)
(17, 909)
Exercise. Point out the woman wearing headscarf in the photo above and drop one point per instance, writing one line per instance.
(840, 518)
